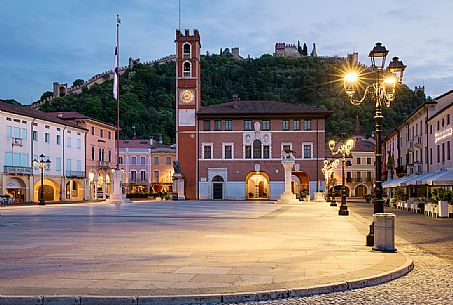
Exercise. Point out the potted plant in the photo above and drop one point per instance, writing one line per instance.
(442, 196)
(250, 195)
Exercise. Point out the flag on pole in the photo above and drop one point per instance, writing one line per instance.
(115, 71)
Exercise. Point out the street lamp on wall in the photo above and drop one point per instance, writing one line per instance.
(344, 149)
(43, 165)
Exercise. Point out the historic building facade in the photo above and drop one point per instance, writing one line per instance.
(100, 151)
(421, 147)
(233, 150)
(147, 165)
(26, 134)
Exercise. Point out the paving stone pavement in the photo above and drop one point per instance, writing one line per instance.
(429, 283)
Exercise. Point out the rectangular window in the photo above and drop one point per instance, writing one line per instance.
(102, 133)
(228, 125)
(248, 152)
(58, 139)
(358, 161)
(79, 143)
(156, 176)
(348, 176)
(368, 160)
(438, 153)
(307, 151)
(16, 159)
(286, 147)
(35, 135)
(156, 160)
(431, 156)
(142, 176)
(448, 151)
(8, 158)
(296, 125)
(228, 152)
(24, 134)
(168, 160)
(68, 165)
(68, 142)
(133, 176)
(110, 135)
(16, 132)
(359, 179)
(47, 137)
(142, 160)
(265, 151)
(133, 160)
(443, 152)
(438, 125)
(248, 125)
(217, 125)
(25, 161)
(207, 152)
(79, 165)
(9, 131)
(92, 130)
(58, 164)
(307, 124)
(266, 125)
(206, 125)
(368, 176)
(120, 160)
(448, 119)
(285, 125)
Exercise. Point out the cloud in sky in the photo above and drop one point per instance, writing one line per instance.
(49, 41)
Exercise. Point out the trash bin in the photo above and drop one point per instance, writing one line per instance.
(384, 232)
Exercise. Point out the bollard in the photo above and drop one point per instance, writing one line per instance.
(384, 232)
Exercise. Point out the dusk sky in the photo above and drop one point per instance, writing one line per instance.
(48, 40)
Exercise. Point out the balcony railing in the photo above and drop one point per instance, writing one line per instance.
(75, 174)
(103, 164)
(17, 170)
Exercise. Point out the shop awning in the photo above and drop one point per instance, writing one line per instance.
(443, 176)
(397, 182)
(415, 179)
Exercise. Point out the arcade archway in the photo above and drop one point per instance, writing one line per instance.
(257, 186)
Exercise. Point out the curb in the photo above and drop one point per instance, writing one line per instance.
(211, 298)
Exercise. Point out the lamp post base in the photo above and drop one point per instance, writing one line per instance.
(333, 203)
(343, 210)
(41, 203)
(370, 236)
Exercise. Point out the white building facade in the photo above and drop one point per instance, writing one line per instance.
(29, 133)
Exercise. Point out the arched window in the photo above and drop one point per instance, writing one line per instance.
(257, 149)
(187, 68)
(186, 50)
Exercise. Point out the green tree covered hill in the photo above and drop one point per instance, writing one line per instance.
(148, 93)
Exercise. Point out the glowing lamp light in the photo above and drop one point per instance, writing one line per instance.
(351, 77)
(350, 82)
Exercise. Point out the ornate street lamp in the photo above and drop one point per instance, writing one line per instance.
(328, 169)
(381, 91)
(344, 149)
(43, 165)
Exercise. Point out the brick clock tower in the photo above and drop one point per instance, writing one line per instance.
(187, 105)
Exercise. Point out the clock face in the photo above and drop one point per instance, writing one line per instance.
(187, 96)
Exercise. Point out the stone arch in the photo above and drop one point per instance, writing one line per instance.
(217, 187)
(304, 180)
(257, 185)
(16, 188)
(51, 190)
(360, 190)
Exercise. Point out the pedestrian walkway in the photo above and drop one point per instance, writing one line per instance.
(212, 251)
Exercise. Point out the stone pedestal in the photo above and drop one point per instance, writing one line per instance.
(384, 232)
(117, 197)
(288, 197)
(178, 186)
